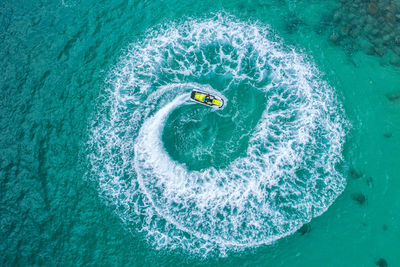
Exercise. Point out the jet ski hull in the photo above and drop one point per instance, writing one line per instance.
(198, 97)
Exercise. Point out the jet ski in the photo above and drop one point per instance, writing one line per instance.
(206, 99)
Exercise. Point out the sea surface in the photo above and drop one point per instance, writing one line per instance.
(105, 161)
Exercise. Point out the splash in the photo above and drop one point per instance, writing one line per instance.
(287, 174)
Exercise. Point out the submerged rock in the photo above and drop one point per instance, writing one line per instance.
(293, 23)
(384, 227)
(386, 38)
(376, 21)
(393, 97)
(395, 61)
(337, 16)
(369, 181)
(368, 49)
(390, 8)
(355, 174)
(372, 9)
(381, 262)
(388, 135)
(334, 37)
(396, 49)
(360, 198)
(389, 17)
(380, 50)
(306, 228)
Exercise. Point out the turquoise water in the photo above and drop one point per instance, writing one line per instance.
(105, 162)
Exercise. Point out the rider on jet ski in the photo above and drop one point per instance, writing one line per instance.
(207, 99)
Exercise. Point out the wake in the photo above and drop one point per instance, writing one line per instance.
(288, 174)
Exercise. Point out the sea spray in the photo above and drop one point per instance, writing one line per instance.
(287, 174)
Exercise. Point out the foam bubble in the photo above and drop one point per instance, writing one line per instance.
(288, 174)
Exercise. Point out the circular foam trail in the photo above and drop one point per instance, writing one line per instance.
(288, 174)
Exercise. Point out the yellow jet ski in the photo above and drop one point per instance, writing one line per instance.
(206, 99)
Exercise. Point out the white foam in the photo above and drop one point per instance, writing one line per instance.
(288, 175)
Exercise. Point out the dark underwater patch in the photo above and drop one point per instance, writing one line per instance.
(360, 198)
(355, 174)
(306, 228)
(369, 181)
(293, 23)
(393, 96)
(381, 262)
(388, 135)
(369, 26)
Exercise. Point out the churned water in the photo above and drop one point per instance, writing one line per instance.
(105, 161)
